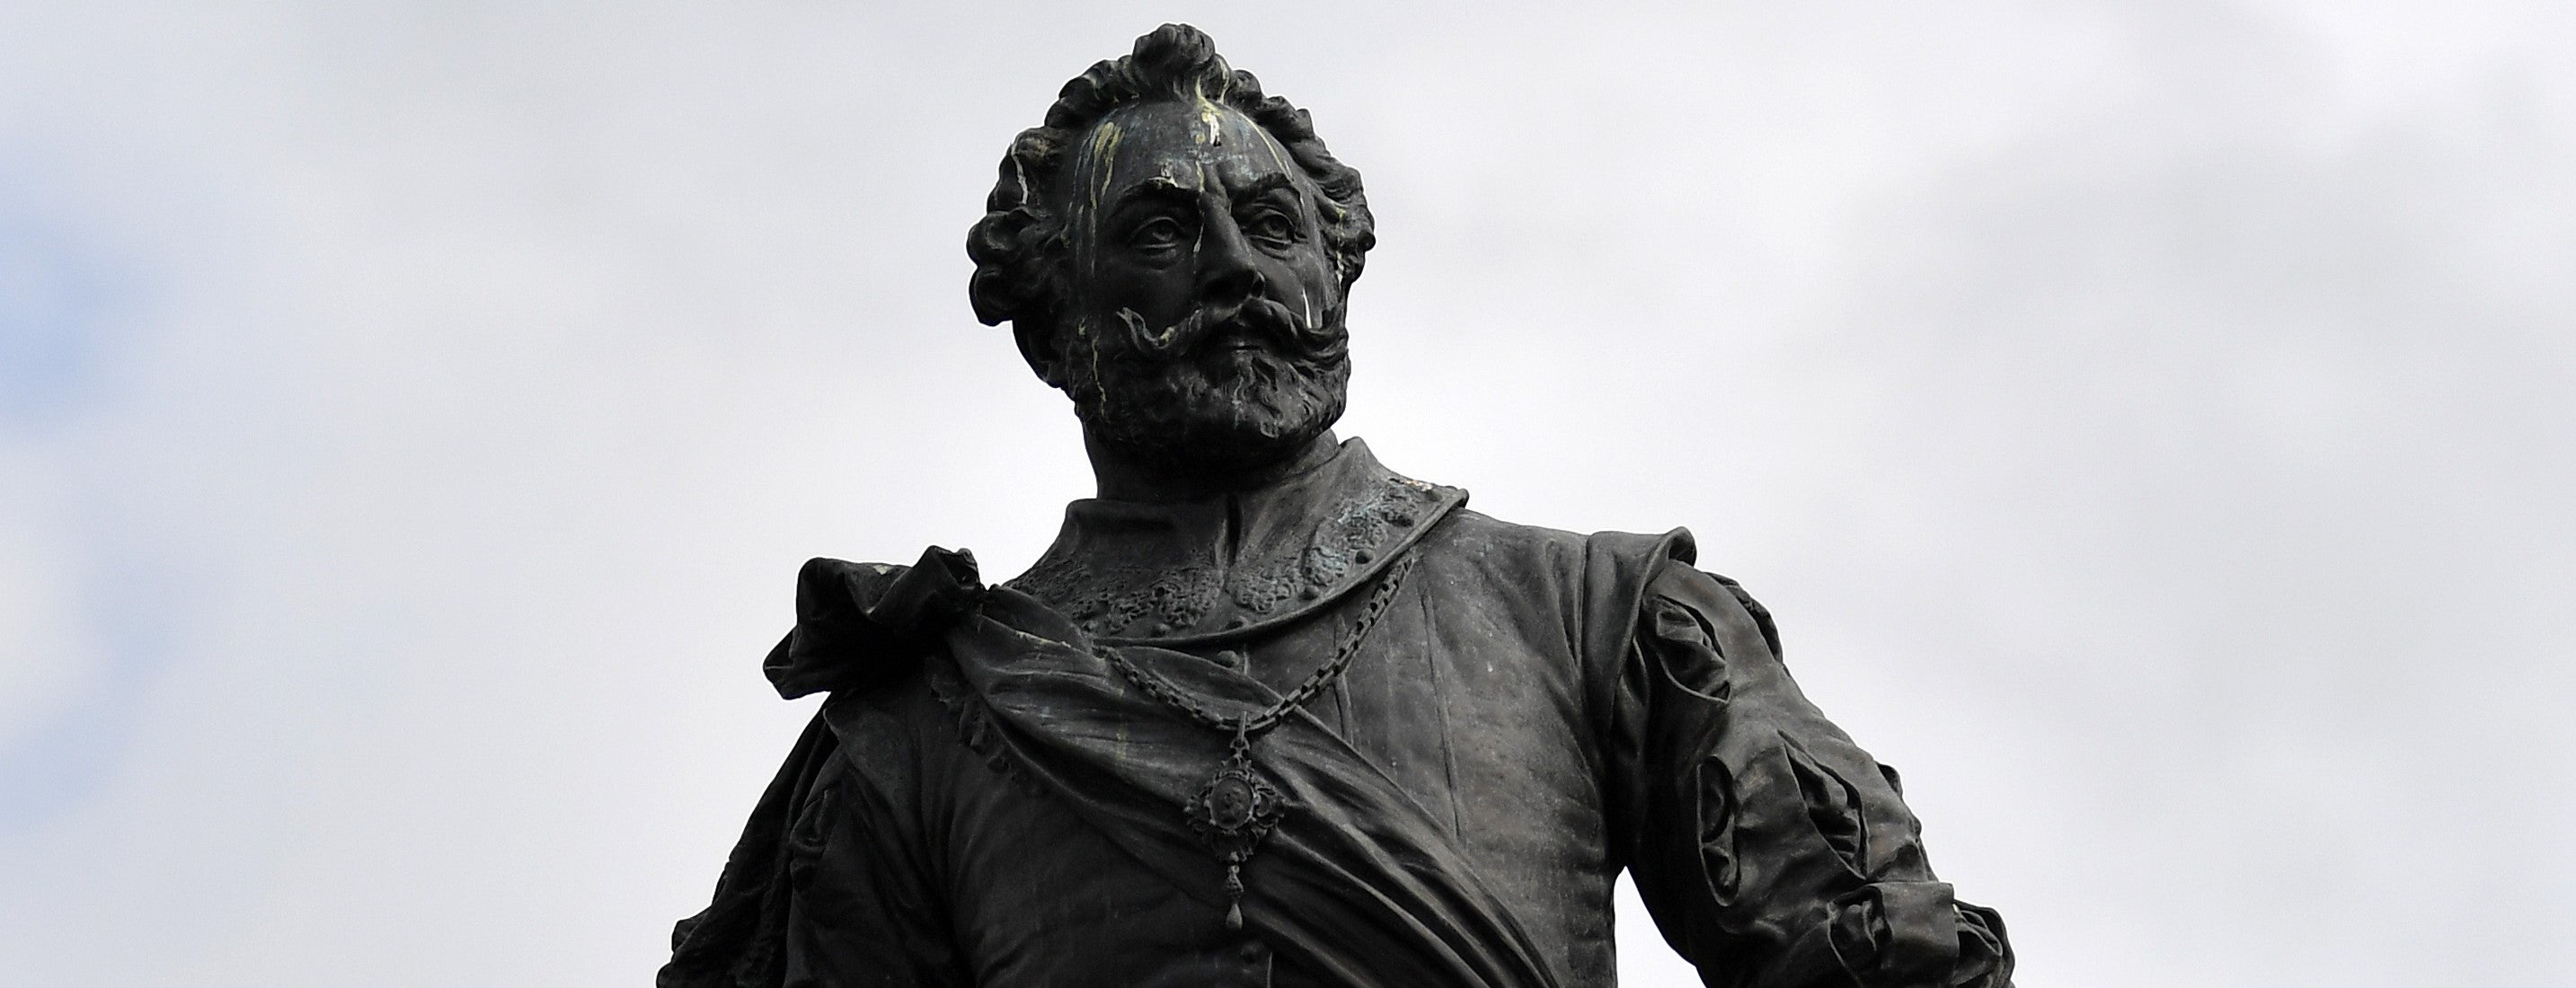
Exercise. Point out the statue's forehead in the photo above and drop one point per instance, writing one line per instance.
(1182, 141)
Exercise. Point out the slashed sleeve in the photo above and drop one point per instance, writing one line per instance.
(1771, 850)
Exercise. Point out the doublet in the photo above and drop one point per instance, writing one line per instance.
(982, 802)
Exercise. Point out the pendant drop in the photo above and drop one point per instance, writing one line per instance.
(1234, 898)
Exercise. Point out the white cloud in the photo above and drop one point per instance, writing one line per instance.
(44, 653)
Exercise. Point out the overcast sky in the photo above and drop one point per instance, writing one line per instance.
(2153, 424)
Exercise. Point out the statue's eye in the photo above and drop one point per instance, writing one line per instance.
(1271, 227)
(1159, 235)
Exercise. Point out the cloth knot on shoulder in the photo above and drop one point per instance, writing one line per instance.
(864, 625)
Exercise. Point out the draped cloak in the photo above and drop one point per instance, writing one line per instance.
(984, 800)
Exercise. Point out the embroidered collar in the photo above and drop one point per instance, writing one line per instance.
(1235, 566)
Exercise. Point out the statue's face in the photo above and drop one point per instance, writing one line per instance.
(1205, 327)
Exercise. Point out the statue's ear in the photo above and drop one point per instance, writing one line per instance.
(1038, 346)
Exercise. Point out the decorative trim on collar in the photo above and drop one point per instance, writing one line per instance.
(1236, 567)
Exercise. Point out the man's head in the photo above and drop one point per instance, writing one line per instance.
(1173, 250)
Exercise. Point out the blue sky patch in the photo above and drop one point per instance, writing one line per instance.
(53, 301)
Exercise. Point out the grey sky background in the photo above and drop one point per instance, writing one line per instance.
(2153, 424)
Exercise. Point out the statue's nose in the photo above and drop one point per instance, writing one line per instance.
(1227, 275)
(1231, 287)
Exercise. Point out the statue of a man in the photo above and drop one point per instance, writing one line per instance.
(1269, 713)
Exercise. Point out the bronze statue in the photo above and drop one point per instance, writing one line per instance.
(1269, 713)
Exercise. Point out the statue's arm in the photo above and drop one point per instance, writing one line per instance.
(1772, 851)
(828, 886)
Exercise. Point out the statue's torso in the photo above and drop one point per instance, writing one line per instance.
(1472, 693)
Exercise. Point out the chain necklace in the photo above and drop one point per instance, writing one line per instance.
(1237, 807)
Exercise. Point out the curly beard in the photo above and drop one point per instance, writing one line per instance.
(1220, 390)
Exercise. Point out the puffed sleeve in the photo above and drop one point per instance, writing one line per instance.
(1771, 850)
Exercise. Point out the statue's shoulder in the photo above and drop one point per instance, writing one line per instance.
(1477, 535)
(1536, 549)
(892, 733)
(1588, 588)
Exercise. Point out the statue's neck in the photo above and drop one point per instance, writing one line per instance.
(1123, 478)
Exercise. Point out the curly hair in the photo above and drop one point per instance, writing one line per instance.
(1020, 246)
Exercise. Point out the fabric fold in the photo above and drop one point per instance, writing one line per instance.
(861, 625)
(1359, 884)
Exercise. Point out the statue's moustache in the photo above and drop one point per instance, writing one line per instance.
(1299, 334)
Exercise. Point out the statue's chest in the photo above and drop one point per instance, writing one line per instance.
(1466, 692)
(1469, 695)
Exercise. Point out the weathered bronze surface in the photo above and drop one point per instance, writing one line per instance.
(1269, 713)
